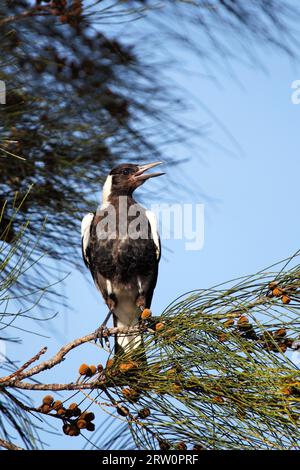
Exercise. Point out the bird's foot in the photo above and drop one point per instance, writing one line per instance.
(101, 334)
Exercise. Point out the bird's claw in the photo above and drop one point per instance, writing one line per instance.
(102, 334)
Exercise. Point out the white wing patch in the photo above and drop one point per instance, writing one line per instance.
(109, 287)
(153, 225)
(106, 192)
(85, 234)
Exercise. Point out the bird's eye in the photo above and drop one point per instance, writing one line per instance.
(126, 171)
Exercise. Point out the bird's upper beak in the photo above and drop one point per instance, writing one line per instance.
(140, 176)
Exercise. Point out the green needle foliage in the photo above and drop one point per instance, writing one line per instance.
(16, 258)
(222, 370)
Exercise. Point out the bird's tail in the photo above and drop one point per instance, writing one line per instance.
(129, 344)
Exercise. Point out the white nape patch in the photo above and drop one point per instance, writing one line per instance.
(153, 225)
(106, 192)
(85, 230)
(108, 287)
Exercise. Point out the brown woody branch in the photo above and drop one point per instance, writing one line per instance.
(8, 445)
(15, 380)
(54, 387)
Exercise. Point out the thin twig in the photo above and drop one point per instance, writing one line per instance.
(37, 10)
(16, 374)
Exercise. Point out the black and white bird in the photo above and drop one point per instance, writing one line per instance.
(121, 247)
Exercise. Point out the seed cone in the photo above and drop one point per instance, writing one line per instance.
(146, 314)
(159, 326)
(48, 400)
(144, 413)
(84, 369)
(90, 427)
(81, 424)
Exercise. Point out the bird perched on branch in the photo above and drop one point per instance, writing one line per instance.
(121, 247)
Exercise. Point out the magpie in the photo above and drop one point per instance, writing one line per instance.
(121, 247)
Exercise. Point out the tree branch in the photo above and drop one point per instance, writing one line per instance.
(17, 373)
(54, 387)
(9, 446)
(15, 380)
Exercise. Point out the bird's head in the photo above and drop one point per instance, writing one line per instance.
(125, 178)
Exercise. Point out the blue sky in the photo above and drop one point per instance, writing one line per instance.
(251, 207)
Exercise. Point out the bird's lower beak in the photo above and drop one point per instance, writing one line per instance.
(140, 176)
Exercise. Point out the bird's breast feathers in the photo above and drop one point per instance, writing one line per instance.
(120, 257)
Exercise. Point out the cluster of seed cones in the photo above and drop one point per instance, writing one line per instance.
(285, 293)
(273, 340)
(73, 418)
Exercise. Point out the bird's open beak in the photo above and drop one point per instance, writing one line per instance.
(140, 176)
